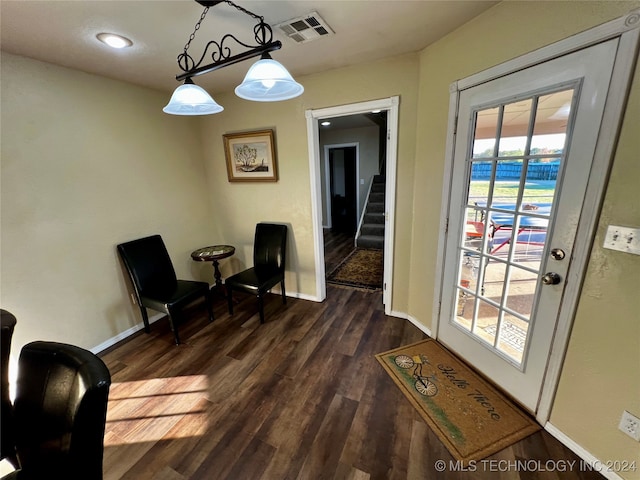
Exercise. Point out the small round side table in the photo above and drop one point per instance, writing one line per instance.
(212, 254)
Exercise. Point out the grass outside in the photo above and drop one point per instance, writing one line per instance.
(505, 191)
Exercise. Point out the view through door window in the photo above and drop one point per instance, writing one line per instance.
(518, 151)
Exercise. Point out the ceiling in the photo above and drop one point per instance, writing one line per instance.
(551, 116)
(63, 32)
(353, 121)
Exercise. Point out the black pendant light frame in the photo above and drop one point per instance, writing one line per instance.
(221, 53)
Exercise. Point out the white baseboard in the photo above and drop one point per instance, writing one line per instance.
(122, 335)
(419, 326)
(596, 464)
(395, 313)
(414, 321)
(154, 318)
(304, 296)
(301, 296)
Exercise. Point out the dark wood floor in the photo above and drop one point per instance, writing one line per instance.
(337, 246)
(300, 397)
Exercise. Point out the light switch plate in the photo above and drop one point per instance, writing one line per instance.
(623, 239)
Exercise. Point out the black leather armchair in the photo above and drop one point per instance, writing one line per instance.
(7, 447)
(155, 284)
(269, 252)
(60, 412)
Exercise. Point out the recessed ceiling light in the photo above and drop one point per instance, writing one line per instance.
(114, 41)
(325, 124)
(375, 111)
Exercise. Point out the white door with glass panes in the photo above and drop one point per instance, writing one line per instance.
(521, 162)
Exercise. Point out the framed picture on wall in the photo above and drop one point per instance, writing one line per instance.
(251, 156)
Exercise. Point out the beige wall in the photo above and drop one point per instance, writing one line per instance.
(604, 350)
(88, 163)
(240, 205)
(600, 377)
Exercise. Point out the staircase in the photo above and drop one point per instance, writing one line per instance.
(371, 233)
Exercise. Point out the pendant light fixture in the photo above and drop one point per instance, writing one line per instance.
(266, 81)
(190, 99)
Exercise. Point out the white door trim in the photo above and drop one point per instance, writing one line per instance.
(626, 29)
(327, 178)
(391, 104)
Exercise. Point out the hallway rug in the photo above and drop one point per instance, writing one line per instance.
(361, 269)
(469, 415)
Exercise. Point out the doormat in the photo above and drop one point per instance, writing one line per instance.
(361, 269)
(469, 415)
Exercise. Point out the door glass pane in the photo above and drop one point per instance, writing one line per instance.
(550, 127)
(469, 265)
(474, 232)
(522, 287)
(501, 223)
(509, 203)
(528, 254)
(481, 174)
(515, 126)
(540, 186)
(507, 185)
(486, 127)
(486, 322)
(464, 309)
(493, 281)
(513, 336)
(530, 239)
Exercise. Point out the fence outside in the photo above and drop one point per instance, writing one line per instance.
(513, 170)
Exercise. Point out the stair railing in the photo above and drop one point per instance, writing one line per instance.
(362, 214)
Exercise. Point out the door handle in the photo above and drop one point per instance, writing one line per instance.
(551, 278)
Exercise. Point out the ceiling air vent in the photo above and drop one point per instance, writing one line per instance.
(306, 28)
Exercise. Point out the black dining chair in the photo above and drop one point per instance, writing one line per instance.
(269, 252)
(60, 412)
(155, 284)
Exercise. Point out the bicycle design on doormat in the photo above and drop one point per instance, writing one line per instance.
(424, 384)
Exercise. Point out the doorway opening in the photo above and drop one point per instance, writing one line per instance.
(342, 182)
(349, 146)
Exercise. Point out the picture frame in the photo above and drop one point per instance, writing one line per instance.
(251, 156)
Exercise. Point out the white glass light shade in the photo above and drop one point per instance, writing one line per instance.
(268, 81)
(190, 99)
